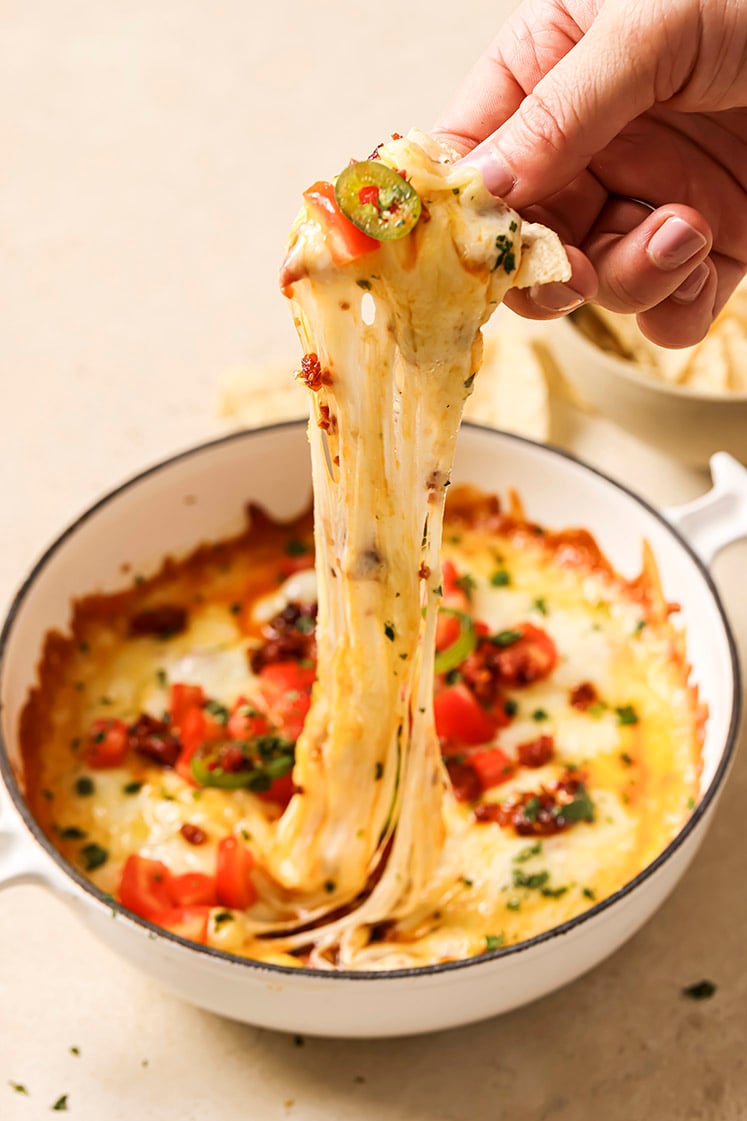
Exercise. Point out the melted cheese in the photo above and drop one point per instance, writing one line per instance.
(374, 839)
(642, 777)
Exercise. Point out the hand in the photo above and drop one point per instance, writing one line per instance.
(620, 124)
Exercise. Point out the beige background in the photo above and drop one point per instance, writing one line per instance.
(152, 154)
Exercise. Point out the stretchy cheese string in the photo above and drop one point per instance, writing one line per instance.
(398, 332)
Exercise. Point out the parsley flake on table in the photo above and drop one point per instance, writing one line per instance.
(701, 990)
(60, 1104)
(19, 1088)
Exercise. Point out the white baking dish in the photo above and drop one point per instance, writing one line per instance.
(201, 495)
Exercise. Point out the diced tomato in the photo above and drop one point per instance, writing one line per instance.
(454, 595)
(288, 566)
(281, 791)
(193, 889)
(183, 698)
(346, 242)
(107, 743)
(144, 886)
(460, 719)
(187, 922)
(448, 629)
(286, 689)
(531, 658)
(197, 727)
(233, 874)
(491, 767)
(244, 724)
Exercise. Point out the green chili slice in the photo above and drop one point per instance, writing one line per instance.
(251, 764)
(377, 200)
(462, 646)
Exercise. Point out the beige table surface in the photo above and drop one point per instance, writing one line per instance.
(152, 157)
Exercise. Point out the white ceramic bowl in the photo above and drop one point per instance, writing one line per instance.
(682, 422)
(148, 517)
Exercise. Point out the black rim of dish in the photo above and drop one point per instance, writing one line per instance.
(424, 971)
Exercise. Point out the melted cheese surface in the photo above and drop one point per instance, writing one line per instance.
(373, 851)
(489, 886)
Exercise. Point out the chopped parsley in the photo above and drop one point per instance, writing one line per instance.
(506, 255)
(639, 626)
(690, 803)
(505, 638)
(588, 893)
(540, 604)
(330, 886)
(74, 1050)
(493, 942)
(364, 284)
(389, 631)
(467, 583)
(223, 916)
(626, 714)
(378, 771)
(218, 711)
(19, 1088)
(72, 833)
(469, 382)
(501, 578)
(510, 707)
(532, 808)
(60, 1104)
(513, 904)
(597, 709)
(93, 856)
(528, 852)
(84, 786)
(580, 809)
(626, 759)
(701, 990)
(132, 787)
(513, 227)
(540, 714)
(532, 880)
(553, 892)
(296, 548)
(162, 678)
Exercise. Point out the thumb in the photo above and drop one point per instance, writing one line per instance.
(606, 80)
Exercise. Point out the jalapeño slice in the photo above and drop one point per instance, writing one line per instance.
(253, 764)
(461, 647)
(377, 200)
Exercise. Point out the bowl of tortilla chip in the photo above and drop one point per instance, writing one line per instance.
(688, 403)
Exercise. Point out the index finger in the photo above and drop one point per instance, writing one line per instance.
(529, 44)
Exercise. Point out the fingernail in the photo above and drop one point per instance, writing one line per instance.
(496, 174)
(555, 297)
(674, 244)
(691, 288)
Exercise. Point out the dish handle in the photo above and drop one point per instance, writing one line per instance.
(718, 517)
(21, 860)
